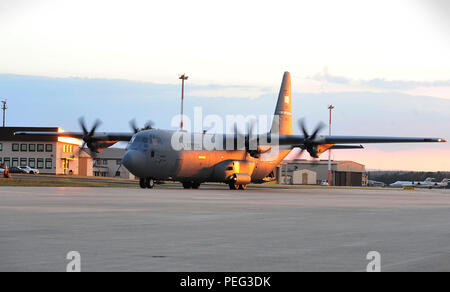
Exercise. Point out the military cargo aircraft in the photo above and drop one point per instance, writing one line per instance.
(236, 159)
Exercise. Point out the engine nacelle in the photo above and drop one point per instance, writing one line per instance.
(234, 170)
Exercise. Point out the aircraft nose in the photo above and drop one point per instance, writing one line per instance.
(133, 160)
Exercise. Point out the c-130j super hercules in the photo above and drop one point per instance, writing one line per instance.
(235, 159)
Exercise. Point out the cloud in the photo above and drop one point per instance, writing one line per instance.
(326, 82)
(230, 92)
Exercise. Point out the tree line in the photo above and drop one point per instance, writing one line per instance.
(389, 177)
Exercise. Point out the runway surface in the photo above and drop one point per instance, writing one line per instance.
(171, 229)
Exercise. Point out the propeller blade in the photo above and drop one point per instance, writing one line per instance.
(82, 125)
(96, 124)
(302, 126)
(149, 125)
(133, 126)
(319, 127)
(81, 148)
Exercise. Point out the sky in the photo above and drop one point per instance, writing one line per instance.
(384, 64)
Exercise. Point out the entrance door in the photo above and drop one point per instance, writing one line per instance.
(65, 165)
(304, 178)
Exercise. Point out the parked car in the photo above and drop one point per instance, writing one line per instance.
(30, 170)
(324, 182)
(16, 169)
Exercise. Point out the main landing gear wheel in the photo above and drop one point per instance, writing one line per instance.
(146, 183)
(149, 183)
(233, 186)
(187, 185)
(142, 183)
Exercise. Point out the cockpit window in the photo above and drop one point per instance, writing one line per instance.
(154, 140)
(143, 141)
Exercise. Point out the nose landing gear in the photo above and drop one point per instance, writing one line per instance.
(191, 185)
(146, 183)
(234, 186)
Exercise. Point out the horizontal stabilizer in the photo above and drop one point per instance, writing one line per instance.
(347, 147)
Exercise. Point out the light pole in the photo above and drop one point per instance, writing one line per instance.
(182, 77)
(4, 108)
(330, 107)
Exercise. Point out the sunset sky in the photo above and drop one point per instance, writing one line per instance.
(384, 64)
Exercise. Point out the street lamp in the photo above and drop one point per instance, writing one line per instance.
(4, 108)
(182, 77)
(330, 107)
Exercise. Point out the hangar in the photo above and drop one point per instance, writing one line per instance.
(311, 172)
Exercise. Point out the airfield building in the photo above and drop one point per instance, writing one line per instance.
(57, 155)
(307, 172)
(108, 163)
(49, 155)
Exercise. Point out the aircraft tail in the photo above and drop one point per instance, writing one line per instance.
(282, 123)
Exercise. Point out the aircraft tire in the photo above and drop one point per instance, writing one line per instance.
(233, 186)
(243, 187)
(187, 185)
(196, 186)
(142, 183)
(149, 183)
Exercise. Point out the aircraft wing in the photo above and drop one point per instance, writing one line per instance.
(98, 136)
(318, 145)
(96, 142)
(300, 139)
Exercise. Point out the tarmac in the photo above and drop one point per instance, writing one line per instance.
(215, 229)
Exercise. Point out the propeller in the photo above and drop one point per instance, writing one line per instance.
(147, 126)
(250, 140)
(88, 136)
(309, 144)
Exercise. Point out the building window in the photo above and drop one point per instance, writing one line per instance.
(104, 174)
(23, 147)
(32, 147)
(40, 147)
(1, 147)
(40, 162)
(15, 147)
(118, 162)
(7, 161)
(97, 162)
(48, 163)
(0, 161)
(68, 148)
(23, 162)
(48, 147)
(105, 162)
(15, 161)
(32, 162)
(96, 173)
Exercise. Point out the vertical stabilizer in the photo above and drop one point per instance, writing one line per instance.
(283, 111)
